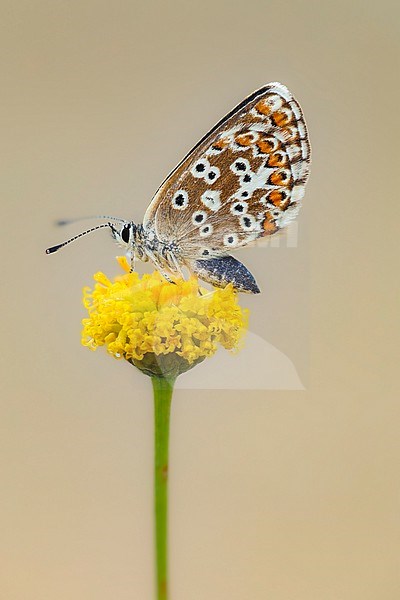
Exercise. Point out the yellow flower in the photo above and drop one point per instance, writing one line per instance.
(162, 328)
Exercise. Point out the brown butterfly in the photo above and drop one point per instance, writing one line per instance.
(243, 180)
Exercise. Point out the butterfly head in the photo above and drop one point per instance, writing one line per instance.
(125, 234)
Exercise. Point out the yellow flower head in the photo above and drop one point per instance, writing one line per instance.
(162, 328)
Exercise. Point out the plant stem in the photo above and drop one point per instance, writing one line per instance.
(163, 389)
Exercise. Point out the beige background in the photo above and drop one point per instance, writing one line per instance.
(274, 494)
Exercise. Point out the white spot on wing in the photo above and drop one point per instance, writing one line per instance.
(213, 174)
(293, 151)
(295, 109)
(304, 148)
(241, 165)
(206, 230)
(180, 200)
(263, 127)
(198, 217)
(200, 168)
(211, 199)
(281, 90)
(231, 239)
(230, 132)
(239, 208)
(248, 222)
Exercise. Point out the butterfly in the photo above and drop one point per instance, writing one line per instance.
(243, 180)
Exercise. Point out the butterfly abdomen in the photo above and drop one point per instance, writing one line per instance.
(226, 269)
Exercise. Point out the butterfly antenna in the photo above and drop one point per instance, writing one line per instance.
(63, 222)
(58, 246)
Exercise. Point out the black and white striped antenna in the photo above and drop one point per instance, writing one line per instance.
(63, 222)
(58, 246)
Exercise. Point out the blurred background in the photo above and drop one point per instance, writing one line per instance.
(280, 488)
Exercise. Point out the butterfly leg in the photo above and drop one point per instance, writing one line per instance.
(166, 276)
(132, 261)
(172, 260)
(159, 266)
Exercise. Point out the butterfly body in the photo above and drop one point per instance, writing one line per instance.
(143, 244)
(244, 180)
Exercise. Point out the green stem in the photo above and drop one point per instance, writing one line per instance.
(163, 389)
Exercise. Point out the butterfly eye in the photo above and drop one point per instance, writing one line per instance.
(198, 217)
(180, 200)
(126, 234)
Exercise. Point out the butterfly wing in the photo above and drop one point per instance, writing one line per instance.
(245, 179)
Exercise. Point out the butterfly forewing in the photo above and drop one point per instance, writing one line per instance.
(243, 180)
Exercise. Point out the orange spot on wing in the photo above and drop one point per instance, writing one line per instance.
(279, 199)
(246, 139)
(265, 145)
(280, 118)
(268, 225)
(262, 107)
(275, 197)
(279, 178)
(221, 144)
(277, 160)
